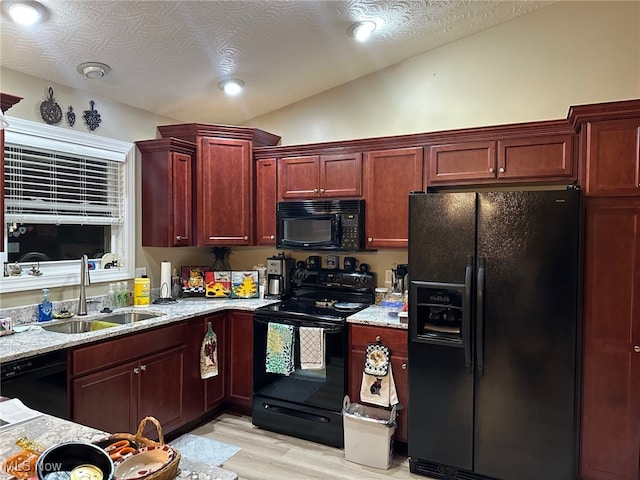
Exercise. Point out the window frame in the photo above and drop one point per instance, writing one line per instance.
(65, 273)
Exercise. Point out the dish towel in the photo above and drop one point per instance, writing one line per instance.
(209, 354)
(279, 358)
(311, 348)
(379, 390)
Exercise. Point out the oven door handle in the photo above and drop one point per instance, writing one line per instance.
(328, 328)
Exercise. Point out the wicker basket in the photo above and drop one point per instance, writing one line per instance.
(170, 470)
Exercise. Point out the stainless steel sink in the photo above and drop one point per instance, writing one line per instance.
(70, 326)
(127, 317)
(103, 321)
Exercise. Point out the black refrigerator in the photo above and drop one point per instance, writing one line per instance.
(494, 294)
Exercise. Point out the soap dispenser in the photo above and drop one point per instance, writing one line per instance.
(45, 307)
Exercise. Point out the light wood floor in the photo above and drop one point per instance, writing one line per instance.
(265, 455)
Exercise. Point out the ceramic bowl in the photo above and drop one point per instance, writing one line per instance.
(143, 462)
(58, 461)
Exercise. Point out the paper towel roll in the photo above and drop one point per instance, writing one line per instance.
(165, 279)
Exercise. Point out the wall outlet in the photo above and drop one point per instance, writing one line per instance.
(140, 271)
(387, 276)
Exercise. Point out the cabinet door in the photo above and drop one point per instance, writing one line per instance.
(181, 200)
(461, 163)
(160, 389)
(610, 444)
(240, 392)
(298, 177)
(224, 201)
(167, 204)
(389, 177)
(613, 158)
(545, 158)
(214, 391)
(266, 197)
(107, 400)
(341, 175)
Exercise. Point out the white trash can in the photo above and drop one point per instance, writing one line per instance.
(368, 434)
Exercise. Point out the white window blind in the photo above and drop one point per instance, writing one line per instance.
(42, 186)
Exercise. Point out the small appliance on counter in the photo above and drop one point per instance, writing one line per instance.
(278, 276)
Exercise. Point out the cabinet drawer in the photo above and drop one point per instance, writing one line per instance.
(124, 349)
(394, 338)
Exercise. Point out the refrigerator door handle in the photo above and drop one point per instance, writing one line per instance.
(480, 317)
(466, 315)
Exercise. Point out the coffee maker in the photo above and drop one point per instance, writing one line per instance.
(278, 276)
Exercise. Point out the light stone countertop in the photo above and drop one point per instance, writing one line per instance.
(377, 316)
(47, 431)
(36, 340)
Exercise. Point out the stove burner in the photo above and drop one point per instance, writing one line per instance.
(325, 303)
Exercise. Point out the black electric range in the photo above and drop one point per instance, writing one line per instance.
(307, 403)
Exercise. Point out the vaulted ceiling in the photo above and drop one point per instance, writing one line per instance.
(168, 57)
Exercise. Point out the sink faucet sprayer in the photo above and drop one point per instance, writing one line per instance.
(84, 281)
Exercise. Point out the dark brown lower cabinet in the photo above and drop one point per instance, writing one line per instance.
(115, 399)
(610, 437)
(396, 339)
(240, 361)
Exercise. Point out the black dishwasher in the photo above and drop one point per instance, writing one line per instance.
(40, 382)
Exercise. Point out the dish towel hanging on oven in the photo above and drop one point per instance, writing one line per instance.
(311, 348)
(377, 385)
(279, 358)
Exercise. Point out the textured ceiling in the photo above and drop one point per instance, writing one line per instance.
(167, 57)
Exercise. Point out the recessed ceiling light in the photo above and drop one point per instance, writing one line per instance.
(25, 12)
(231, 86)
(93, 70)
(362, 31)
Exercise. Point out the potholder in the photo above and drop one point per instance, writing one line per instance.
(376, 360)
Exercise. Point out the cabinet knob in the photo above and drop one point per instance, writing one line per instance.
(178, 237)
(636, 348)
(246, 237)
(143, 367)
(322, 190)
(490, 169)
(403, 366)
(136, 370)
(315, 190)
(369, 239)
(272, 237)
(501, 170)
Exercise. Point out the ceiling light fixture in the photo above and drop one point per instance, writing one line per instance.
(362, 31)
(25, 12)
(231, 86)
(93, 70)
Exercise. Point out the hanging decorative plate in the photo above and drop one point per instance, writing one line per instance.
(91, 117)
(50, 110)
(71, 117)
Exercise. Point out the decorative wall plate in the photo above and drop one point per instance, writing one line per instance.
(71, 116)
(91, 117)
(50, 110)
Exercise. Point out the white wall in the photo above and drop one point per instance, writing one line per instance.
(532, 68)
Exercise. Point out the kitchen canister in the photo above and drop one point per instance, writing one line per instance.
(141, 292)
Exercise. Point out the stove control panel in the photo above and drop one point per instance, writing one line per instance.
(334, 278)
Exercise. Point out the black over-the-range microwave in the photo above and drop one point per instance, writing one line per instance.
(320, 225)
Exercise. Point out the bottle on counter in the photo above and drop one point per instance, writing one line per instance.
(45, 307)
(110, 301)
(141, 291)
